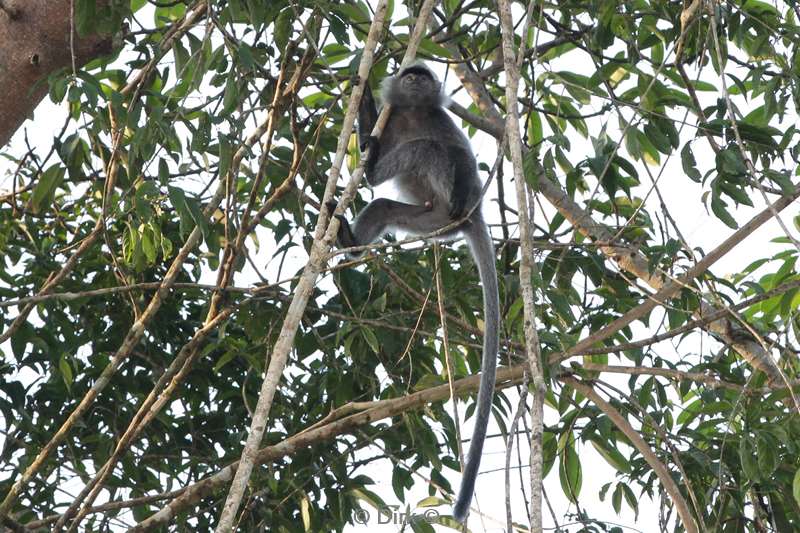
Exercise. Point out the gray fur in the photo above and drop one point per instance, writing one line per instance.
(431, 162)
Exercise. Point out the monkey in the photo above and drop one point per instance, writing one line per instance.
(430, 161)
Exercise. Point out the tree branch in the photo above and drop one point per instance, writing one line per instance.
(641, 446)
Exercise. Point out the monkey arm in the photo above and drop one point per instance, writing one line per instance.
(374, 147)
(458, 201)
(367, 117)
(464, 193)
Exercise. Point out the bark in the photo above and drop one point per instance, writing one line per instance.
(526, 267)
(34, 43)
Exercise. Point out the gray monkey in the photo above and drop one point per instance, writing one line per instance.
(433, 167)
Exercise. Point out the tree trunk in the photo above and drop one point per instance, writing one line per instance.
(35, 42)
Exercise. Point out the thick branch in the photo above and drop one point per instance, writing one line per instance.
(34, 43)
(329, 429)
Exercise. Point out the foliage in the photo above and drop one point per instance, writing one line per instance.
(613, 117)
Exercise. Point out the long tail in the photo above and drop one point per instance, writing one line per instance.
(480, 243)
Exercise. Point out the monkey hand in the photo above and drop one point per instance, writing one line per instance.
(331, 206)
(370, 143)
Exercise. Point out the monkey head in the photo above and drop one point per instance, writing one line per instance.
(415, 86)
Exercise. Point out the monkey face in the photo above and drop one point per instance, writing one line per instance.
(418, 80)
(414, 86)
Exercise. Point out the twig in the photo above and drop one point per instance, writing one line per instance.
(512, 431)
(446, 347)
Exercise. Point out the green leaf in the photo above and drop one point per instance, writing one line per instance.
(535, 131)
(796, 486)
(225, 154)
(658, 138)
(231, 97)
(178, 199)
(689, 164)
(149, 244)
(368, 496)
(569, 471)
(431, 501)
(616, 498)
(353, 13)
(400, 480)
(168, 14)
(226, 358)
(163, 171)
(549, 452)
(371, 339)
(419, 525)
(434, 49)
(65, 369)
(718, 207)
(767, 458)
(611, 454)
(532, 169)
(166, 247)
(283, 28)
(747, 458)
(45, 189)
(633, 502)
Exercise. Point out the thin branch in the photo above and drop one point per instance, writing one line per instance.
(670, 288)
(446, 347)
(366, 413)
(700, 322)
(506, 377)
(532, 346)
(323, 237)
(641, 446)
(138, 328)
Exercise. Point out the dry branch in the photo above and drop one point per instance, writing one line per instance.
(371, 412)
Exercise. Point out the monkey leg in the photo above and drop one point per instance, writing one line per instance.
(383, 216)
